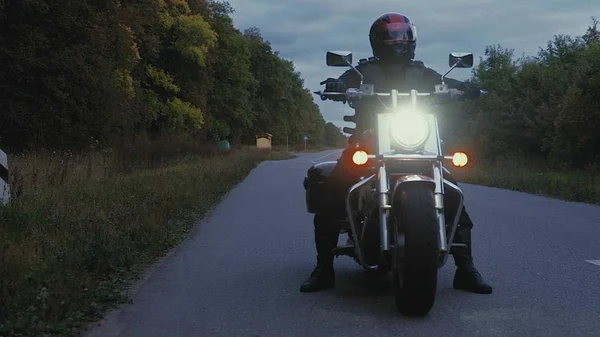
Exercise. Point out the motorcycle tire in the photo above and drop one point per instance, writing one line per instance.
(416, 265)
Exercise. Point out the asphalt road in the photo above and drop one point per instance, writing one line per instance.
(239, 272)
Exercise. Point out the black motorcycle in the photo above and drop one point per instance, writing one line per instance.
(395, 211)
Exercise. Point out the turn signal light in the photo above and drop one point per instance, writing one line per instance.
(460, 159)
(360, 157)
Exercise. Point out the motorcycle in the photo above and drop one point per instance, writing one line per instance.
(396, 216)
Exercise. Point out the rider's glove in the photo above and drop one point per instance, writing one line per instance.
(455, 93)
(471, 91)
(336, 86)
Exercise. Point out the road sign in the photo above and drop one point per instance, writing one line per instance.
(305, 138)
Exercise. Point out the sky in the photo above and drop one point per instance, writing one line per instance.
(304, 30)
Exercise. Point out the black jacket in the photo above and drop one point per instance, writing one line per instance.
(402, 77)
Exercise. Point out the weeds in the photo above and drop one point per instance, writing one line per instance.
(80, 228)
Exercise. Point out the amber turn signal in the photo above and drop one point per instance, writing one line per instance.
(460, 159)
(360, 157)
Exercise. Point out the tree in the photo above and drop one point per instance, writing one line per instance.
(334, 136)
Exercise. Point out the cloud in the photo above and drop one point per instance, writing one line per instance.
(304, 30)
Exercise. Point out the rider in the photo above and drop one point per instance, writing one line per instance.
(393, 40)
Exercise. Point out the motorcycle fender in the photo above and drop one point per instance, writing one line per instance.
(411, 179)
(314, 184)
(451, 196)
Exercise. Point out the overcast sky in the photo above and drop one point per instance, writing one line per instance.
(304, 30)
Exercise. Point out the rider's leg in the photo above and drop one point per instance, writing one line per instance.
(327, 231)
(326, 237)
(467, 277)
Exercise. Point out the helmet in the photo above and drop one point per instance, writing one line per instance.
(393, 37)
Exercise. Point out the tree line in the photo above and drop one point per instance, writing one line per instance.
(545, 107)
(77, 74)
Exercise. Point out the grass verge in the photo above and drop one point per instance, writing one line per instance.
(320, 149)
(539, 179)
(300, 149)
(80, 229)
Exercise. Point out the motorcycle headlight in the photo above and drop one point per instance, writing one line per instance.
(410, 130)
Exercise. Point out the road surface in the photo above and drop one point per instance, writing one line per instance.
(240, 271)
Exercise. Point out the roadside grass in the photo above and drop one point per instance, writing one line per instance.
(535, 178)
(81, 228)
(320, 149)
(300, 148)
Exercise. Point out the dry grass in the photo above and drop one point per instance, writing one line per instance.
(300, 148)
(80, 228)
(536, 178)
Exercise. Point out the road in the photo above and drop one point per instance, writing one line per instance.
(239, 272)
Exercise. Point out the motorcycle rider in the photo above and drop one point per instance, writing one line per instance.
(393, 41)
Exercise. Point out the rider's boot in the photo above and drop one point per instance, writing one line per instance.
(323, 276)
(467, 277)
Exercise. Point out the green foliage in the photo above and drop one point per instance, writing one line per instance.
(79, 73)
(161, 79)
(544, 107)
(193, 38)
(184, 115)
(334, 136)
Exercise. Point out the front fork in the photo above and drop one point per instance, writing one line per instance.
(385, 207)
(438, 178)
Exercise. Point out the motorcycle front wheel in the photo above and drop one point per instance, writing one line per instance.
(416, 254)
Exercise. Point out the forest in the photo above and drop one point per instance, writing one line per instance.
(92, 74)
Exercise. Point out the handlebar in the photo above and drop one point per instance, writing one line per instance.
(359, 93)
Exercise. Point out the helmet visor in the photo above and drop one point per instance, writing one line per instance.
(398, 32)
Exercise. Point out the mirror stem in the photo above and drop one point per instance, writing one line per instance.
(448, 72)
(358, 72)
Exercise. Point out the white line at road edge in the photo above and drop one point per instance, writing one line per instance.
(327, 155)
(596, 262)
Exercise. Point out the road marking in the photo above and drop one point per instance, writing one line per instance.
(596, 262)
(327, 155)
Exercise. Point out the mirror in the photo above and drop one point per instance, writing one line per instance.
(465, 60)
(339, 58)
